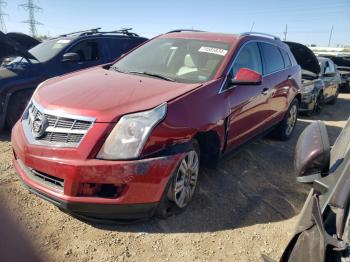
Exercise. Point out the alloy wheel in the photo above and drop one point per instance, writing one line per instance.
(185, 181)
(292, 119)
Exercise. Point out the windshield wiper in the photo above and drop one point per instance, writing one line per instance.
(152, 74)
(117, 69)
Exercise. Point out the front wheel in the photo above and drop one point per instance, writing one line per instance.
(285, 129)
(182, 184)
(319, 104)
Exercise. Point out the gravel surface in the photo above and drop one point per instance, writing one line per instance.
(245, 207)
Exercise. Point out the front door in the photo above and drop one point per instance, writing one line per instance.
(90, 55)
(246, 101)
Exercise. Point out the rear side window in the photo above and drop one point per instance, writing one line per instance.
(286, 59)
(249, 57)
(119, 46)
(273, 60)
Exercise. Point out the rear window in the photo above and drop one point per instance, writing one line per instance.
(273, 60)
(286, 58)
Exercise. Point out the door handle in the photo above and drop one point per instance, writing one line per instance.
(265, 91)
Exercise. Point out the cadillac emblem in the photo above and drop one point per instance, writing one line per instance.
(39, 125)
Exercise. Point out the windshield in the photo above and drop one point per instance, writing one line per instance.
(180, 60)
(47, 50)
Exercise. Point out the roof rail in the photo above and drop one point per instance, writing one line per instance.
(124, 31)
(260, 34)
(184, 30)
(94, 30)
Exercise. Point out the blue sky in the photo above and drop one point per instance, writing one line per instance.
(309, 21)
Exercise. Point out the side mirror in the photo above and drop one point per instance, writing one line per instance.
(70, 57)
(312, 154)
(246, 76)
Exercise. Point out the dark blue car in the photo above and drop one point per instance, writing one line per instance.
(55, 57)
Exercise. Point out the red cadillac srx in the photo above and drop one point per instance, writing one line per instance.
(124, 140)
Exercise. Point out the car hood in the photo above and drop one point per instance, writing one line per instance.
(10, 47)
(304, 57)
(106, 95)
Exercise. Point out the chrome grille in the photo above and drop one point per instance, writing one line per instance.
(60, 130)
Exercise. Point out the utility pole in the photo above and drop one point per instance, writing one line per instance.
(31, 8)
(330, 37)
(251, 29)
(285, 33)
(3, 4)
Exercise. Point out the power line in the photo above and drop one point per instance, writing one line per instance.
(3, 4)
(285, 33)
(32, 22)
(251, 28)
(330, 37)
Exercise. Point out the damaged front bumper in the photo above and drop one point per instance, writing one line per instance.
(94, 188)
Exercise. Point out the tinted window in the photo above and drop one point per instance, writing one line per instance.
(273, 60)
(119, 46)
(87, 51)
(286, 59)
(248, 57)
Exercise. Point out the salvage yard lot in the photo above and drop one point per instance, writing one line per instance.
(247, 206)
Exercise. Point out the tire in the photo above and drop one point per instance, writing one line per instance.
(176, 198)
(332, 102)
(319, 104)
(285, 129)
(18, 103)
(346, 88)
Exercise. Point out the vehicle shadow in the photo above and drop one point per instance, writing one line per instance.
(255, 186)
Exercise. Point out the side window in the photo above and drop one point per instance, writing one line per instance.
(119, 46)
(286, 58)
(87, 50)
(248, 57)
(273, 60)
(327, 68)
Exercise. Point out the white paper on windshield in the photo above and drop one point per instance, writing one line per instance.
(63, 41)
(213, 50)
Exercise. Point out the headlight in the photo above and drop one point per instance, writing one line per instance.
(307, 88)
(131, 133)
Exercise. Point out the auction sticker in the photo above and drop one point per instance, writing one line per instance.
(63, 41)
(213, 50)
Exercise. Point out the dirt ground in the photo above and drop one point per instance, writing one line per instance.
(245, 207)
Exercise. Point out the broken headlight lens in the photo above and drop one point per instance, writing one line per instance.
(130, 134)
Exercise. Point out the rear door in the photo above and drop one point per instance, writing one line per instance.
(278, 76)
(247, 102)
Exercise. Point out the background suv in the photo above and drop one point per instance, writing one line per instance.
(125, 140)
(313, 87)
(57, 56)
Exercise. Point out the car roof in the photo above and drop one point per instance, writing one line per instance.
(323, 59)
